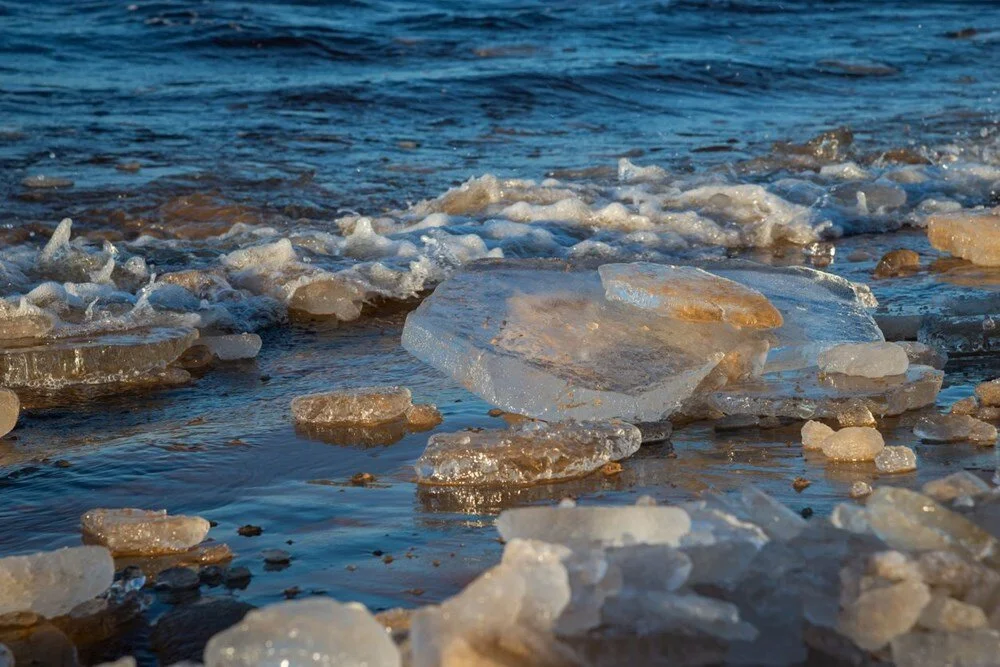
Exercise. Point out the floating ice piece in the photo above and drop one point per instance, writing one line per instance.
(234, 347)
(609, 526)
(319, 631)
(965, 406)
(923, 355)
(538, 338)
(975, 648)
(51, 583)
(362, 406)
(329, 296)
(988, 393)
(897, 263)
(10, 408)
(530, 453)
(23, 321)
(971, 234)
(882, 614)
(142, 532)
(911, 521)
(813, 435)
(804, 394)
(43, 182)
(860, 489)
(896, 459)
(955, 428)
(688, 293)
(854, 443)
(118, 357)
(957, 484)
(870, 360)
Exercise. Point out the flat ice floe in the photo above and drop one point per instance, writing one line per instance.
(132, 532)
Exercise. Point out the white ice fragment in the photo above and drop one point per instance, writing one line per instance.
(609, 526)
(879, 615)
(142, 532)
(51, 583)
(813, 435)
(871, 360)
(303, 633)
(851, 518)
(232, 347)
(854, 443)
(896, 459)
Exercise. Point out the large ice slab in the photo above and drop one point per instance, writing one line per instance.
(142, 532)
(688, 293)
(102, 359)
(319, 631)
(529, 453)
(51, 583)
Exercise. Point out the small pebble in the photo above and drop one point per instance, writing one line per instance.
(276, 556)
(237, 577)
(250, 530)
(177, 579)
(362, 479)
(292, 592)
(611, 468)
(800, 484)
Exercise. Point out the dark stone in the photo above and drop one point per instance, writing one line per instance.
(181, 633)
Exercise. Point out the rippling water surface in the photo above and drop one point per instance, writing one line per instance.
(187, 134)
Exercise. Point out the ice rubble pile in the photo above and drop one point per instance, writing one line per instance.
(577, 340)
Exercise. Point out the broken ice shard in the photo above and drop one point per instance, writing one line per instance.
(538, 338)
(688, 293)
(362, 406)
(955, 428)
(132, 532)
(319, 631)
(971, 234)
(107, 358)
(609, 526)
(870, 360)
(529, 453)
(51, 583)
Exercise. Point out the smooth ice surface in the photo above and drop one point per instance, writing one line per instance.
(806, 394)
(955, 428)
(526, 454)
(911, 521)
(51, 583)
(538, 338)
(854, 443)
(142, 532)
(896, 459)
(971, 234)
(319, 631)
(108, 358)
(362, 406)
(10, 408)
(870, 360)
(233, 347)
(610, 526)
(688, 293)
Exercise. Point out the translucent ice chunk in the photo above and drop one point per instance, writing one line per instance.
(10, 408)
(870, 360)
(329, 296)
(688, 293)
(988, 393)
(813, 435)
(319, 631)
(142, 532)
(231, 348)
(972, 234)
(805, 394)
(975, 648)
(955, 428)
(854, 443)
(911, 521)
(610, 526)
(957, 484)
(540, 339)
(362, 406)
(896, 459)
(532, 452)
(950, 615)
(23, 321)
(118, 357)
(51, 583)
(882, 614)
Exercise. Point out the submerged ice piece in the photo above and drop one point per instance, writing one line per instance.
(51, 583)
(530, 453)
(806, 394)
(102, 359)
(364, 406)
(688, 293)
(319, 631)
(973, 235)
(134, 532)
(539, 338)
